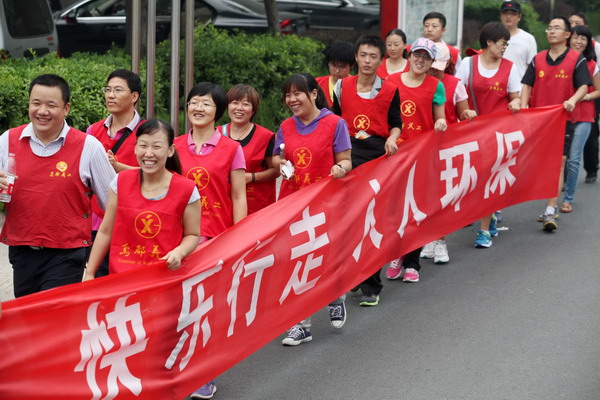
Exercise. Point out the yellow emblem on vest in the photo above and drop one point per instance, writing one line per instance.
(147, 224)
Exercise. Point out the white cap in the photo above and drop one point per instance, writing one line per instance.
(442, 57)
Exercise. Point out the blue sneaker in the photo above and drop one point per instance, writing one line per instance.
(205, 392)
(483, 240)
(493, 226)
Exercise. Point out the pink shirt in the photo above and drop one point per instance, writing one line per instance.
(239, 162)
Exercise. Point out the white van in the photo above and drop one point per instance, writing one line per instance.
(26, 27)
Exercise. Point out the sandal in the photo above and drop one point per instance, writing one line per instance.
(566, 208)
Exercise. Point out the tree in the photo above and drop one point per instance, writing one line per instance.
(272, 16)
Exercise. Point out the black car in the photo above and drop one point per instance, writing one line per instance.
(335, 14)
(94, 25)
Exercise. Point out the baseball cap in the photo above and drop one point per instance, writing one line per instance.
(470, 52)
(510, 5)
(442, 57)
(424, 44)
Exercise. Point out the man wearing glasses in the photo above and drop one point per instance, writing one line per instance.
(522, 44)
(560, 76)
(48, 220)
(117, 133)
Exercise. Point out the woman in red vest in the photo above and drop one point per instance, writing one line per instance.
(152, 212)
(584, 114)
(493, 85)
(216, 165)
(317, 143)
(395, 44)
(257, 143)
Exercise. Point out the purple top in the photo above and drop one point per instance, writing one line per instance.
(341, 137)
(239, 162)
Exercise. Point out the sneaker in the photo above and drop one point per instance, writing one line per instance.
(483, 240)
(205, 392)
(493, 230)
(296, 336)
(498, 215)
(369, 300)
(540, 218)
(411, 275)
(440, 250)
(394, 270)
(428, 250)
(591, 177)
(549, 223)
(337, 314)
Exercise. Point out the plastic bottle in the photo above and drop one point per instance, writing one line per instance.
(11, 172)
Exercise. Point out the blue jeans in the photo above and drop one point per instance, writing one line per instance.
(580, 135)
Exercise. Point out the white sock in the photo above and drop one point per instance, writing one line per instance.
(550, 210)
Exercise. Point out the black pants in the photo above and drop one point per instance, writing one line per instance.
(103, 267)
(590, 151)
(46, 268)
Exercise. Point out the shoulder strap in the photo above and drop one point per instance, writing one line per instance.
(123, 137)
(471, 86)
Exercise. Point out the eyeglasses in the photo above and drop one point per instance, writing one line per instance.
(116, 90)
(424, 56)
(554, 28)
(502, 43)
(203, 106)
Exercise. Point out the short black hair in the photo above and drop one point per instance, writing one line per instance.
(565, 20)
(493, 31)
(216, 92)
(133, 80)
(52, 80)
(370, 40)
(340, 52)
(305, 83)
(435, 14)
(581, 15)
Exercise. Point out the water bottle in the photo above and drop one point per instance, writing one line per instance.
(11, 172)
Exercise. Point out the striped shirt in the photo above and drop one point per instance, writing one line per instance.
(94, 169)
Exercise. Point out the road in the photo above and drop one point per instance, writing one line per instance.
(517, 321)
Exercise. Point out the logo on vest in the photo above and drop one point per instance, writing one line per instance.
(541, 74)
(408, 108)
(147, 224)
(302, 157)
(562, 75)
(61, 170)
(200, 177)
(361, 122)
(496, 87)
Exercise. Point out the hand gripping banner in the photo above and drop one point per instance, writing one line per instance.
(154, 333)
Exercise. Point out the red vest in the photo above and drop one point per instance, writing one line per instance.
(416, 105)
(450, 82)
(125, 154)
(312, 154)
(258, 194)
(50, 205)
(323, 81)
(369, 115)
(553, 83)
(211, 174)
(585, 111)
(491, 94)
(382, 71)
(145, 230)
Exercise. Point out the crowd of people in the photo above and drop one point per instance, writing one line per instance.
(129, 193)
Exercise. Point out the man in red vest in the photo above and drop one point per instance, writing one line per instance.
(48, 220)
(371, 108)
(559, 76)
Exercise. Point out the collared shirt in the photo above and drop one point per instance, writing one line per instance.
(128, 128)
(581, 75)
(94, 169)
(239, 162)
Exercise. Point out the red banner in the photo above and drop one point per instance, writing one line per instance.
(154, 333)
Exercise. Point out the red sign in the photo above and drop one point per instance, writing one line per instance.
(154, 333)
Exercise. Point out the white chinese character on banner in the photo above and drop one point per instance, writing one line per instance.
(410, 202)
(501, 174)
(468, 177)
(195, 318)
(370, 221)
(96, 345)
(256, 267)
(299, 282)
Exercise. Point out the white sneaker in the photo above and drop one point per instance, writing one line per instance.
(428, 250)
(440, 251)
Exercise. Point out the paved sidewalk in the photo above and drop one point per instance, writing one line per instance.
(6, 279)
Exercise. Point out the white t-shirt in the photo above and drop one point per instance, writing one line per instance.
(460, 93)
(597, 50)
(464, 71)
(195, 194)
(521, 50)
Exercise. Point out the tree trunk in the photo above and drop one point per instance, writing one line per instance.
(272, 16)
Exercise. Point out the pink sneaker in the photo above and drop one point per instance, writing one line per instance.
(411, 275)
(395, 269)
